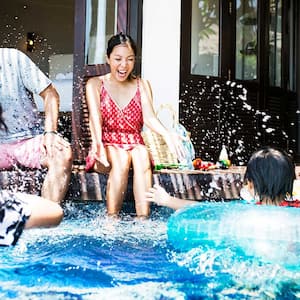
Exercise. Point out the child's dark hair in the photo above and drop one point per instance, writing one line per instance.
(120, 39)
(272, 173)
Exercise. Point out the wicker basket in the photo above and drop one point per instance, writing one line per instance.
(160, 154)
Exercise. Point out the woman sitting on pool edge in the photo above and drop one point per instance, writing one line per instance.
(269, 178)
(20, 210)
(119, 104)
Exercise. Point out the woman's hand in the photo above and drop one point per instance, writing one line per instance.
(98, 153)
(174, 142)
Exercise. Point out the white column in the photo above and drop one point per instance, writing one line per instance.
(161, 49)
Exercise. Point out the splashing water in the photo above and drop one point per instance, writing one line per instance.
(92, 257)
(224, 113)
(234, 276)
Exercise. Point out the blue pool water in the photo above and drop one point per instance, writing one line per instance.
(90, 257)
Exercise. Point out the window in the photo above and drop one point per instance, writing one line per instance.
(246, 40)
(100, 26)
(275, 44)
(205, 37)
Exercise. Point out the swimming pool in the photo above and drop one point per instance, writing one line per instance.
(89, 257)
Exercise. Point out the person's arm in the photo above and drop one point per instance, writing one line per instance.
(51, 105)
(158, 195)
(44, 212)
(51, 137)
(35, 81)
(93, 90)
(151, 121)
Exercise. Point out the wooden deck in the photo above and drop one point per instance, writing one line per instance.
(214, 185)
(198, 185)
(192, 184)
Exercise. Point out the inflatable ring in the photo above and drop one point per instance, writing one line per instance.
(267, 231)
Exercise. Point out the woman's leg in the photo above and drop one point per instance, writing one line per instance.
(142, 179)
(120, 161)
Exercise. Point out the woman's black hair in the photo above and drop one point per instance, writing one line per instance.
(2, 123)
(272, 173)
(120, 39)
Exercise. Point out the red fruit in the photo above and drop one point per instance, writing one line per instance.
(197, 163)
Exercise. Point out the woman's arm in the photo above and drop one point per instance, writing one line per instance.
(150, 119)
(93, 89)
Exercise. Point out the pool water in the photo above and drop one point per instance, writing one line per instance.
(91, 257)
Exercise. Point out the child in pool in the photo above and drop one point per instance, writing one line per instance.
(269, 178)
(20, 210)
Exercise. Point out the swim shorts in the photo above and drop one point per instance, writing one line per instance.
(25, 153)
(14, 212)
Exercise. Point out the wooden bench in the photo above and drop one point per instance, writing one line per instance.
(196, 185)
(214, 185)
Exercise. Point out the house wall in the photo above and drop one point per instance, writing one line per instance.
(161, 51)
(51, 20)
(53, 23)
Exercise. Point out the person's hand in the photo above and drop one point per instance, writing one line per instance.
(53, 142)
(158, 195)
(98, 153)
(174, 142)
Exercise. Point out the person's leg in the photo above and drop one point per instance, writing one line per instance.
(44, 212)
(28, 153)
(57, 180)
(6, 156)
(120, 162)
(142, 179)
(59, 165)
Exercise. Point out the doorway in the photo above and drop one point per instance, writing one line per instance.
(238, 76)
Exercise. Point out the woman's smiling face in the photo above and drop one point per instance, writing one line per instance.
(121, 61)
